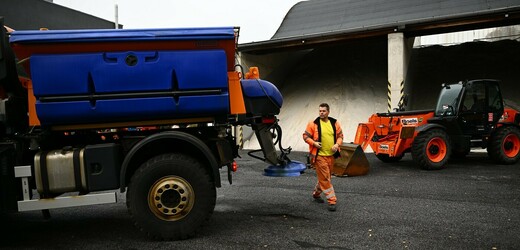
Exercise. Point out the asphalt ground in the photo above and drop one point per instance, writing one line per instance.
(472, 204)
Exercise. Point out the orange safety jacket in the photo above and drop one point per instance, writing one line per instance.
(313, 134)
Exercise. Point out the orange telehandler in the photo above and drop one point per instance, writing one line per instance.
(468, 114)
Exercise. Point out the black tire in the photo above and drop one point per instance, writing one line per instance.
(431, 149)
(504, 146)
(170, 196)
(387, 159)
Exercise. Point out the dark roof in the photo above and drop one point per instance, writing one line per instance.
(319, 21)
(36, 14)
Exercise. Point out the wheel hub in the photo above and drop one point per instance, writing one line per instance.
(171, 198)
(434, 149)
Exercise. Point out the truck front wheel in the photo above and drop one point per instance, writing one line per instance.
(431, 149)
(504, 146)
(170, 196)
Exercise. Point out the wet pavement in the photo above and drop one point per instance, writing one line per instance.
(472, 204)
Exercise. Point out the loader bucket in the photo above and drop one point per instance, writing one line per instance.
(352, 161)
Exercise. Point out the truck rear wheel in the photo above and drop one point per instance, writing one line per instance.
(504, 146)
(431, 149)
(170, 196)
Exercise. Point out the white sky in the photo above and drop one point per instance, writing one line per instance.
(258, 19)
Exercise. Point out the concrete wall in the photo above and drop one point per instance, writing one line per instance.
(352, 78)
(488, 35)
(273, 67)
(431, 66)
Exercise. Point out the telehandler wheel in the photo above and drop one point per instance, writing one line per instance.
(170, 196)
(504, 146)
(431, 149)
(387, 159)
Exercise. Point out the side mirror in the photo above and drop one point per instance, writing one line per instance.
(448, 111)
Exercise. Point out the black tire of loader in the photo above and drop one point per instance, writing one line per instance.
(419, 148)
(155, 169)
(387, 159)
(495, 149)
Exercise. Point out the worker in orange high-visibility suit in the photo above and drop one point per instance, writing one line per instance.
(324, 136)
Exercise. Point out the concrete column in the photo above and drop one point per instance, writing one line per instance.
(399, 49)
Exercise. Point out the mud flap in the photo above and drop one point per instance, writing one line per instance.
(352, 161)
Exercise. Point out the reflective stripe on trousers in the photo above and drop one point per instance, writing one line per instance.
(324, 166)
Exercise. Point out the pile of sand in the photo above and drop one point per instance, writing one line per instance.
(350, 80)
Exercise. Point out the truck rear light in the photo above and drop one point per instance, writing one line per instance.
(234, 166)
(268, 120)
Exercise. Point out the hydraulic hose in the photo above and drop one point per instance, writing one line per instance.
(277, 133)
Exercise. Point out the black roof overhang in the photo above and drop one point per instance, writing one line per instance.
(428, 26)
